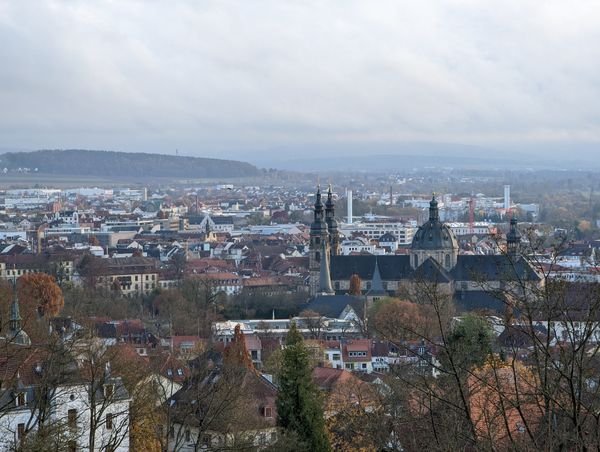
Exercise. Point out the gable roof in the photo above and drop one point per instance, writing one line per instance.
(333, 305)
(431, 270)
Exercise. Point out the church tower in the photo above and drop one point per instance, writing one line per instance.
(16, 334)
(332, 226)
(513, 238)
(319, 245)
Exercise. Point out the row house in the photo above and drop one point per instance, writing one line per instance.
(61, 266)
(132, 275)
(331, 329)
(223, 282)
(26, 397)
(367, 355)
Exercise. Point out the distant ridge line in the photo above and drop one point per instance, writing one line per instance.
(101, 163)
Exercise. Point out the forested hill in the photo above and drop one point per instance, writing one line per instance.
(123, 164)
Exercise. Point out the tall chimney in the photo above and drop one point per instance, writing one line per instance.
(349, 206)
(506, 197)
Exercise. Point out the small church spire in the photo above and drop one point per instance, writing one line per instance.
(17, 335)
(318, 202)
(329, 202)
(15, 315)
(324, 274)
(376, 282)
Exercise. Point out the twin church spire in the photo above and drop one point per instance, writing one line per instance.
(324, 242)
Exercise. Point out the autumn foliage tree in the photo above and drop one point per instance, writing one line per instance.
(39, 294)
(236, 353)
(403, 320)
(355, 283)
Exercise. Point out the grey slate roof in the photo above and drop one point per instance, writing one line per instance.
(431, 271)
(397, 267)
(472, 300)
(491, 267)
(391, 267)
(333, 305)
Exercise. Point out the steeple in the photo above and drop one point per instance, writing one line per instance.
(207, 227)
(434, 213)
(16, 334)
(319, 249)
(209, 235)
(329, 206)
(513, 238)
(332, 226)
(376, 282)
(318, 205)
(324, 275)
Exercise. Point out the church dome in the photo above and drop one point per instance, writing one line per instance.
(434, 235)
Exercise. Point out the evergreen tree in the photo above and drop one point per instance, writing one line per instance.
(469, 344)
(299, 403)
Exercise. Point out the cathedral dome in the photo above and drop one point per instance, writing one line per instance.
(434, 235)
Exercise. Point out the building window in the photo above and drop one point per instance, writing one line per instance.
(268, 412)
(318, 256)
(109, 421)
(188, 435)
(72, 418)
(336, 356)
(20, 399)
(317, 240)
(20, 431)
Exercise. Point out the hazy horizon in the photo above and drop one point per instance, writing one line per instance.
(254, 83)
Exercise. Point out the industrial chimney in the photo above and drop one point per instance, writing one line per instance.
(349, 206)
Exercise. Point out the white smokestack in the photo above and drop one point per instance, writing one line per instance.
(349, 206)
(506, 197)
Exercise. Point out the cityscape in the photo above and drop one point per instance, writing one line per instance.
(243, 253)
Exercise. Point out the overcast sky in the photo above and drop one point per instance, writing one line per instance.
(246, 75)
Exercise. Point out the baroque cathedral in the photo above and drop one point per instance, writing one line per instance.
(433, 256)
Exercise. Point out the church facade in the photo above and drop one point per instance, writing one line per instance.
(433, 257)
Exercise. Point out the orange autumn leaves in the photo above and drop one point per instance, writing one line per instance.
(39, 296)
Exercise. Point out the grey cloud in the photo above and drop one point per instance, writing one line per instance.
(153, 75)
